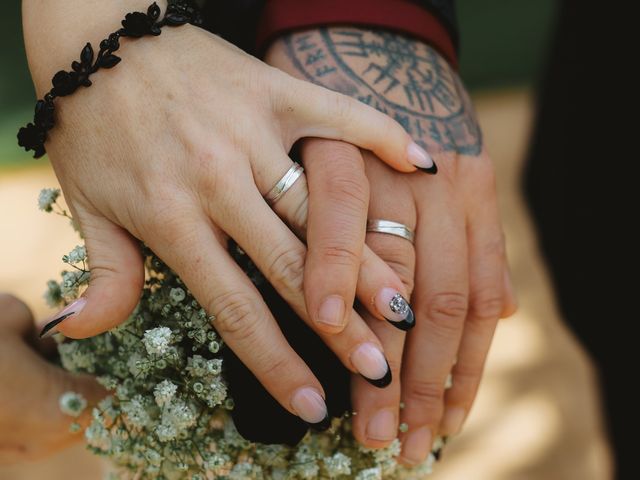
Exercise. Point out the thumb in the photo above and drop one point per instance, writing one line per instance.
(116, 281)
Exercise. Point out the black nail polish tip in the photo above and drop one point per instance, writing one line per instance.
(438, 453)
(381, 382)
(406, 324)
(431, 170)
(322, 425)
(53, 323)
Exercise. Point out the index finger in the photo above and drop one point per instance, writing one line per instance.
(337, 214)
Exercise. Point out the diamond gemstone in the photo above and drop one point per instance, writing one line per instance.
(399, 305)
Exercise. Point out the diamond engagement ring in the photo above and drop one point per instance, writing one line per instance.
(284, 184)
(390, 228)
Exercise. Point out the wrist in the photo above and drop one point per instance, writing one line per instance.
(56, 30)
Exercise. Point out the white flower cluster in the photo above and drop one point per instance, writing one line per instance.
(157, 340)
(167, 415)
(72, 403)
(47, 198)
(75, 256)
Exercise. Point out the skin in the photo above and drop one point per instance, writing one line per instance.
(175, 147)
(31, 424)
(457, 273)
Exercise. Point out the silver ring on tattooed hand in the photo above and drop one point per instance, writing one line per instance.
(390, 228)
(284, 184)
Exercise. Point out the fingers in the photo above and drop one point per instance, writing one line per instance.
(240, 315)
(487, 269)
(440, 302)
(117, 277)
(338, 203)
(280, 256)
(326, 114)
(376, 421)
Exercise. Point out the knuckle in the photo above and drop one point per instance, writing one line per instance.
(428, 394)
(339, 254)
(495, 246)
(235, 314)
(287, 269)
(467, 374)
(400, 260)
(486, 306)
(448, 309)
(276, 368)
(348, 189)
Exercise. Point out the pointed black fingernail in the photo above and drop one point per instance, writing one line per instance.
(407, 324)
(322, 425)
(381, 382)
(438, 452)
(53, 323)
(432, 170)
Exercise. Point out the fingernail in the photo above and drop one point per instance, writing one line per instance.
(310, 407)
(72, 309)
(382, 426)
(370, 362)
(395, 309)
(438, 446)
(421, 159)
(452, 421)
(332, 311)
(416, 445)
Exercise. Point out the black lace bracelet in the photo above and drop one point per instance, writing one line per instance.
(135, 25)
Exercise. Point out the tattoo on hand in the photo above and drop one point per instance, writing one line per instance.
(400, 76)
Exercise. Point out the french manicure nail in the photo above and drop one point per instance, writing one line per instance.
(419, 157)
(452, 421)
(415, 446)
(370, 362)
(395, 309)
(382, 426)
(438, 446)
(310, 407)
(331, 312)
(72, 309)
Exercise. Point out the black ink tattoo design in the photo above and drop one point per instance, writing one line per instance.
(399, 76)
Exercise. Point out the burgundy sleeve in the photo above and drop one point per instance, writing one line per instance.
(282, 16)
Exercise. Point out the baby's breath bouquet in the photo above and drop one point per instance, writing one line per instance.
(168, 412)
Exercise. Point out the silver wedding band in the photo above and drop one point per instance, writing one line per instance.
(390, 228)
(284, 184)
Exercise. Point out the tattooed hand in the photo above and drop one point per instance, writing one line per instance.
(457, 270)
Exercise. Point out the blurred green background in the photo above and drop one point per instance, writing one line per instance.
(503, 44)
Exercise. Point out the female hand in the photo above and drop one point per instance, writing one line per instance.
(176, 147)
(31, 424)
(457, 270)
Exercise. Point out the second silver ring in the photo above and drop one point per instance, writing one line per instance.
(284, 184)
(391, 228)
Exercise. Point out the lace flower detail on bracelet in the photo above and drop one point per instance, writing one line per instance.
(135, 25)
(138, 24)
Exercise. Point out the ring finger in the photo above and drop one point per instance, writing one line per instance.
(376, 422)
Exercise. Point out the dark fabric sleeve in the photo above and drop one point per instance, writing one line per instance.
(432, 21)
